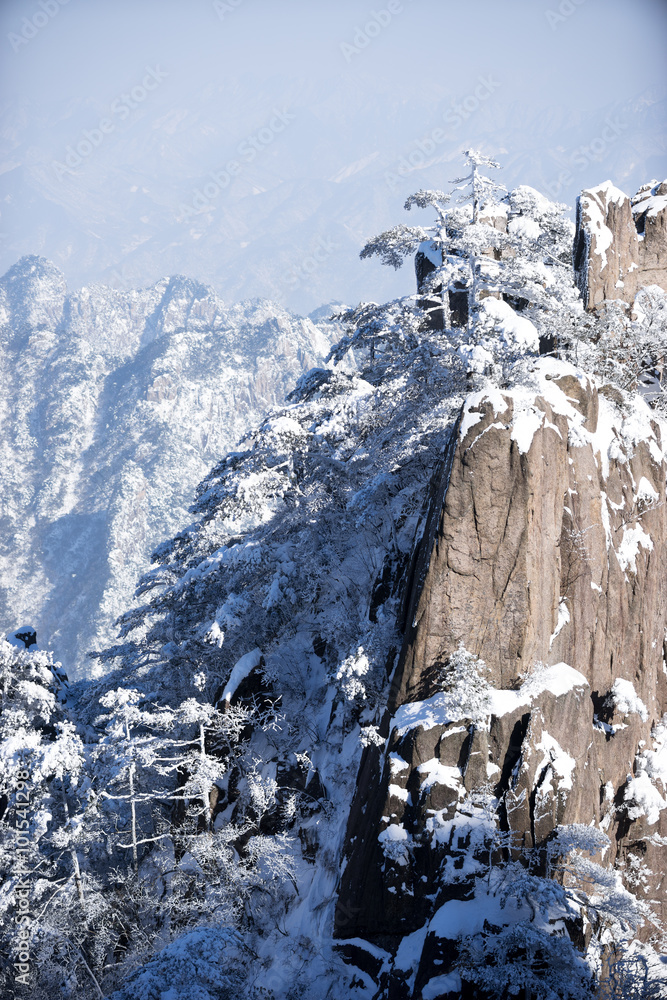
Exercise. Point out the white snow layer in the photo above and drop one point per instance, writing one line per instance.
(563, 620)
(645, 492)
(524, 428)
(562, 764)
(242, 668)
(395, 833)
(435, 773)
(463, 918)
(434, 988)
(397, 764)
(650, 202)
(437, 710)
(615, 438)
(641, 794)
(609, 192)
(498, 400)
(557, 680)
(515, 330)
(397, 792)
(434, 711)
(644, 798)
(523, 226)
(628, 550)
(430, 251)
(626, 700)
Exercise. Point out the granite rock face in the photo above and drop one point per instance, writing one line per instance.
(649, 209)
(620, 243)
(545, 557)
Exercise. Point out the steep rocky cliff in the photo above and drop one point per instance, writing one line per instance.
(621, 242)
(545, 558)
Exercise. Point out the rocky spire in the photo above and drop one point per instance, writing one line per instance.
(620, 243)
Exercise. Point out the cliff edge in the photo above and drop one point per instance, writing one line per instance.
(545, 560)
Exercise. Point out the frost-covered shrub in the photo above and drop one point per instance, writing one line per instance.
(468, 690)
(627, 345)
(524, 942)
(206, 964)
(351, 674)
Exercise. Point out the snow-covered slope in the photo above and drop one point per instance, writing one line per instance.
(286, 589)
(114, 405)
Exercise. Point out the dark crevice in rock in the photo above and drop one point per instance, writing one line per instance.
(624, 821)
(532, 798)
(425, 548)
(513, 753)
(466, 748)
(603, 713)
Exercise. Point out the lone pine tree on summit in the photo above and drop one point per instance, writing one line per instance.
(486, 266)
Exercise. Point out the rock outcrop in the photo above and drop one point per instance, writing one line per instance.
(427, 259)
(545, 558)
(649, 209)
(620, 243)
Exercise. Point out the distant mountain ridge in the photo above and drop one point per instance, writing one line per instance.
(114, 405)
(290, 225)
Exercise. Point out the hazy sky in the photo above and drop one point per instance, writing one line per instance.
(303, 126)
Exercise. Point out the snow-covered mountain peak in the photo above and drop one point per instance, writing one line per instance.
(32, 295)
(115, 405)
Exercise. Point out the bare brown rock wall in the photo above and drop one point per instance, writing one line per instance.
(545, 557)
(620, 243)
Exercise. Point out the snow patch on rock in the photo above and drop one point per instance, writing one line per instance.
(627, 552)
(626, 700)
(438, 710)
(242, 669)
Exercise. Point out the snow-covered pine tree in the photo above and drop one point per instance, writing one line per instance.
(127, 758)
(380, 332)
(507, 257)
(395, 245)
(471, 240)
(467, 687)
(537, 900)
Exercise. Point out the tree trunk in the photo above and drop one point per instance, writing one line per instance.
(204, 788)
(74, 856)
(133, 811)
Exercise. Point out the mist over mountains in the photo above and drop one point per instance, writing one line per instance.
(155, 196)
